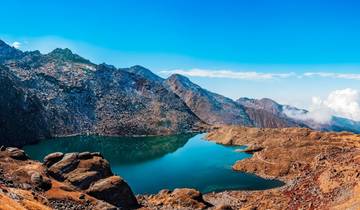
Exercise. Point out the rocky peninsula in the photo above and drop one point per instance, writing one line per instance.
(321, 169)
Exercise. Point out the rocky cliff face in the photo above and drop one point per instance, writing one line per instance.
(210, 107)
(69, 95)
(22, 119)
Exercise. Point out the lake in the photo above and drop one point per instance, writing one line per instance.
(150, 164)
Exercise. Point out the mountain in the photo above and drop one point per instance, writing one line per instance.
(21, 114)
(210, 107)
(144, 72)
(7, 52)
(216, 109)
(282, 112)
(61, 93)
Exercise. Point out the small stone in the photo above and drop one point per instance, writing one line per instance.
(25, 186)
(164, 191)
(17, 154)
(40, 182)
(82, 196)
(223, 207)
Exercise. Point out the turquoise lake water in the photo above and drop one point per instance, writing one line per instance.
(150, 164)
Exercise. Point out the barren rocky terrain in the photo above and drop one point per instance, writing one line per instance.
(321, 169)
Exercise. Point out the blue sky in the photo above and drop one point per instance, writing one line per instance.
(278, 42)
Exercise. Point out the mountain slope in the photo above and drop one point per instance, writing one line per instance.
(74, 96)
(286, 113)
(144, 72)
(210, 107)
(21, 114)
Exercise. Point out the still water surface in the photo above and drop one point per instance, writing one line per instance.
(150, 164)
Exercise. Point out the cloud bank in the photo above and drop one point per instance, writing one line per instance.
(255, 75)
(332, 75)
(341, 103)
(246, 75)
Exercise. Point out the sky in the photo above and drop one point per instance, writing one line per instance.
(296, 52)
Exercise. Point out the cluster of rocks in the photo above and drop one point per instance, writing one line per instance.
(91, 173)
(77, 181)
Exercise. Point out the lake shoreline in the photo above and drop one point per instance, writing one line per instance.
(165, 157)
(314, 165)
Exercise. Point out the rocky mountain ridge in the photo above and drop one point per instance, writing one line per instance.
(61, 94)
(69, 95)
(282, 112)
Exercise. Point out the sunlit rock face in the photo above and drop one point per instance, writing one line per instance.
(209, 107)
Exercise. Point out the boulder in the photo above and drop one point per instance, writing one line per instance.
(39, 181)
(68, 163)
(17, 153)
(114, 190)
(83, 180)
(52, 158)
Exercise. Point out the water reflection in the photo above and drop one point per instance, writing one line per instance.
(150, 164)
(131, 150)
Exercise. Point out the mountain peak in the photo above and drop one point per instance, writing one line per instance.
(67, 55)
(7, 52)
(2, 43)
(144, 72)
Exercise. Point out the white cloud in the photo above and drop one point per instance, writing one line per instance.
(16, 45)
(256, 75)
(246, 75)
(342, 103)
(332, 75)
(317, 112)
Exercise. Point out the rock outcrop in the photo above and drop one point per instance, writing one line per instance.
(321, 169)
(63, 181)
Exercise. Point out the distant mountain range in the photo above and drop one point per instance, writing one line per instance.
(61, 93)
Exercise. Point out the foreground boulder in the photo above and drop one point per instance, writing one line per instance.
(114, 190)
(64, 181)
(91, 172)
